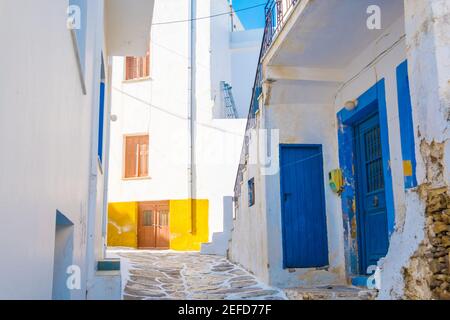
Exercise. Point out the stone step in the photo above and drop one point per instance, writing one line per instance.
(108, 265)
(218, 246)
(330, 293)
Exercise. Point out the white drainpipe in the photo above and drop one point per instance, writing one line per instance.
(191, 104)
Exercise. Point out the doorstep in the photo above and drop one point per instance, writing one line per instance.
(108, 265)
(360, 281)
(332, 292)
(107, 284)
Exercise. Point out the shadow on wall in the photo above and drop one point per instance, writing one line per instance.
(63, 256)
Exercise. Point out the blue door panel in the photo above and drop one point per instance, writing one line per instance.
(371, 193)
(303, 207)
(376, 228)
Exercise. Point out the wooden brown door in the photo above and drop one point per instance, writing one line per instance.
(147, 226)
(153, 230)
(162, 228)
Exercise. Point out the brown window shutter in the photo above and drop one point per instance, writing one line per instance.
(130, 68)
(137, 67)
(141, 67)
(130, 157)
(136, 156)
(143, 154)
(147, 64)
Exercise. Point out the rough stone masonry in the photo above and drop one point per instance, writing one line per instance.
(428, 274)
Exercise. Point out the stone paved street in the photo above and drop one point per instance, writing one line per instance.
(189, 276)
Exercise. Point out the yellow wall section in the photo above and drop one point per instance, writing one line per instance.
(187, 231)
(122, 224)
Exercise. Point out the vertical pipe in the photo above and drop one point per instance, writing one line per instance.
(190, 111)
(231, 16)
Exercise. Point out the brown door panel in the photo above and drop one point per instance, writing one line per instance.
(153, 225)
(162, 232)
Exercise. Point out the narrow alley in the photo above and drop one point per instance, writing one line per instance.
(225, 150)
(153, 275)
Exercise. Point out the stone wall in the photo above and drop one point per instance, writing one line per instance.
(438, 216)
(428, 273)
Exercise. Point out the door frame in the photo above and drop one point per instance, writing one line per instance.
(322, 195)
(162, 202)
(370, 102)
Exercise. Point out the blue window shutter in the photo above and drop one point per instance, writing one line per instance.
(406, 126)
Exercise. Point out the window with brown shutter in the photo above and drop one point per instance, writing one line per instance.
(136, 156)
(137, 67)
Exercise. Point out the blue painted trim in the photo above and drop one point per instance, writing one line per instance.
(283, 228)
(406, 123)
(371, 101)
(101, 119)
(301, 145)
(360, 281)
(384, 128)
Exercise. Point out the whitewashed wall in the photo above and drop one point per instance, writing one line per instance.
(159, 107)
(47, 127)
(314, 122)
(245, 47)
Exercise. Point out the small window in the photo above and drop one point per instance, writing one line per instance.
(136, 156)
(148, 219)
(137, 67)
(164, 218)
(251, 192)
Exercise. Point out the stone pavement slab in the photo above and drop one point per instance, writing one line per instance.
(156, 275)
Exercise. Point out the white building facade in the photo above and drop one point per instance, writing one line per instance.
(344, 169)
(54, 120)
(177, 107)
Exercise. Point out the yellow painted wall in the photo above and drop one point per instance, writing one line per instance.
(187, 231)
(122, 224)
(184, 235)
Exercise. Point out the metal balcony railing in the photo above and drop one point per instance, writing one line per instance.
(276, 12)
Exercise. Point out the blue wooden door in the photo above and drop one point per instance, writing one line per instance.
(371, 196)
(303, 206)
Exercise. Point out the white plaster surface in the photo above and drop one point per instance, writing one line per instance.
(159, 106)
(49, 129)
(305, 110)
(47, 125)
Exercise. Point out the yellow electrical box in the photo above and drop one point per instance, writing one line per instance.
(336, 181)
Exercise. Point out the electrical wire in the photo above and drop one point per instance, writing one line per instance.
(209, 17)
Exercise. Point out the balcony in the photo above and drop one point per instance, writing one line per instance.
(127, 26)
(277, 12)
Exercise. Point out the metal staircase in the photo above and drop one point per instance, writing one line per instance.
(230, 107)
